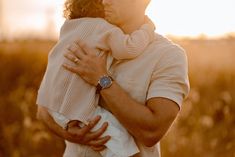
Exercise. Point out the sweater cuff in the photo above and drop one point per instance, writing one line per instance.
(149, 27)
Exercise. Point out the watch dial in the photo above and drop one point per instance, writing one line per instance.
(105, 82)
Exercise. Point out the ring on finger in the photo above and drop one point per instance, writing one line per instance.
(98, 53)
(76, 60)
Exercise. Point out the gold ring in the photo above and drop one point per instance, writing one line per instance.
(76, 60)
(98, 53)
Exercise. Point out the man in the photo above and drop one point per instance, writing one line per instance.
(145, 94)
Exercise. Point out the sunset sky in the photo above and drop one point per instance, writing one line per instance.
(176, 17)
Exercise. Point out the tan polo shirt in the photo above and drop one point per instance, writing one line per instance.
(161, 71)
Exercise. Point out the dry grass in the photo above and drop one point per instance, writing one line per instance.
(205, 127)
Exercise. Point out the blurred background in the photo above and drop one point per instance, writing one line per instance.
(204, 28)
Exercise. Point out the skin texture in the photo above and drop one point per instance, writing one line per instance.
(147, 123)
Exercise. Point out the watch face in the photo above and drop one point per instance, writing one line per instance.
(105, 82)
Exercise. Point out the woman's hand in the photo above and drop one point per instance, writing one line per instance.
(87, 62)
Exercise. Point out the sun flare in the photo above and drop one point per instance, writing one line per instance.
(179, 18)
(193, 18)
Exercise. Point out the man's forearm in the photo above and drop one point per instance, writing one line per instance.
(147, 123)
(46, 118)
(135, 117)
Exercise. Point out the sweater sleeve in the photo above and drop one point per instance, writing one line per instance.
(128, 46)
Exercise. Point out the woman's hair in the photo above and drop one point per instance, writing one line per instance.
(83, 8)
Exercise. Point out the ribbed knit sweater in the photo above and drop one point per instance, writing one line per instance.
(68, 94)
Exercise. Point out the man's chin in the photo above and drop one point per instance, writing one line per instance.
(110, 20)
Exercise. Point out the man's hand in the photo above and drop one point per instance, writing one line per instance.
(77, 134)
(90, 63)
(84, 135)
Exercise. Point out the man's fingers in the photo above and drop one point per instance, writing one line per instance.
(97, 133)
(72, 58)
(98, 148)
(73, 47)
(75, 131)
(77, 70)
(76, 50)
(83, 133)
(82, 45)
(73, 123)
(90, 125)
(99, 142)
(86, 49)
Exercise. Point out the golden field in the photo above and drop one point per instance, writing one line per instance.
(204, 128)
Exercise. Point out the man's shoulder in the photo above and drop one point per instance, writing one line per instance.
(165, 48)
(162, 42)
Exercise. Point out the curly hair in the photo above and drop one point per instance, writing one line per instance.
(83, 8)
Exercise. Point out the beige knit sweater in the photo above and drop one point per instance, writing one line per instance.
(66, 93)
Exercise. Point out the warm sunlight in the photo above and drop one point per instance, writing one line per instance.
(192, 18)
(38, 93)
(181, 18)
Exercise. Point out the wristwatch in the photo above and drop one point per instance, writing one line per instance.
(103, 83)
